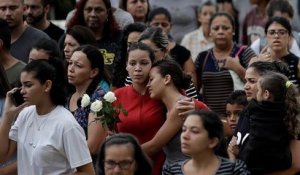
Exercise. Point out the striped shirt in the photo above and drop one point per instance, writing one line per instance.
(227, 167)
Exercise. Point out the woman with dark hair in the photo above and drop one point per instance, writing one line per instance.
(139, 9)
(238, 142)
(98, 16)
(161, 17)
(159, 42)
(43, 49)
(44, 133)
(77, 36)
(204, 128)
(85, 72)
(122, 153)
(166, 83)
(131, 34)
(278, 31)
(221, 70)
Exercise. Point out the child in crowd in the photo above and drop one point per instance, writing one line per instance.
(274, 119)
(235, 104)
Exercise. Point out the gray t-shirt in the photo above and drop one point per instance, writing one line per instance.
(21, 47)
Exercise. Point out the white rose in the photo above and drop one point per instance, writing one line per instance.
(96, 106)
(85, 101)
(110, 97)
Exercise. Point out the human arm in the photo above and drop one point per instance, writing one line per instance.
(95, 134)
(189, 68)
(232, 148)
(8, 147)
(167, 131)
(86, 169)
(10, 169)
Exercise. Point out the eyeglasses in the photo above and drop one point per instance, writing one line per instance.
(124, 164)
(279, 33)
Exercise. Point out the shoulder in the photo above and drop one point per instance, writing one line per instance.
(35, 33)
(234, 167)
(174, 169)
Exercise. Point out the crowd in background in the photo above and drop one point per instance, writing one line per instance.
(209, 86)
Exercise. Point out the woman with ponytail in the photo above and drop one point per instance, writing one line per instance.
(44, 133)
(274, 119)
(166, 83)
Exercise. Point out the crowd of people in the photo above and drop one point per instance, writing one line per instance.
(204, 93)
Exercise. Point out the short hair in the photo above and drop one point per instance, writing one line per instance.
(143, 162)
(159, 11)
(280, 20)
(280, 5)
(157, 36)
(172, 68)
(83, 35)
(49, 45)
(237, 97)
(144, 47)
(52, 69)
(5, 34)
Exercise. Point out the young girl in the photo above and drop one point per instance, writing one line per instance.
(201, 135)
(45, 133)
(274, 119)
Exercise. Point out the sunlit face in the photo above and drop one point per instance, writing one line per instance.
(233, 112)
(138, 66)
(80, 71)
(35, 54)
(158, 52)
(95, 14)
(119, 160)
(32, 89)
(133, 37)
(161, 21)
(35, 11)
(221, 30)
(156, 84)
(278, 37)
(12, 12)
(137, 8)
(206, 13)
(250, 87)
(70, 45)
(194, 137)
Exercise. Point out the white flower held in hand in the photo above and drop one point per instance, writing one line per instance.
(85, 101)
(110, 97)
(96, 106)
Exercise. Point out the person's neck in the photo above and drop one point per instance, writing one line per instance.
(261, 8)
(7, 60)
(224, 50)
(42, 25)
(140, 88)
(45, 107)
(205, 29)
(204, 161)
(98, 33)
(141, 19)
(81, 89)
(170, 97)
(280, 54)
(17, 31)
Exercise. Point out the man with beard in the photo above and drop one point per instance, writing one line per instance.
(22, 35)
(36, 16)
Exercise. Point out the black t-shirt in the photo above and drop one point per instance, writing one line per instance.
(54, 32)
